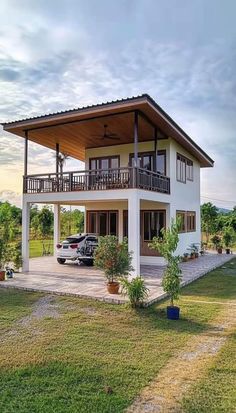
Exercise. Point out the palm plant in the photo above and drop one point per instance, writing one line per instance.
(135, 289)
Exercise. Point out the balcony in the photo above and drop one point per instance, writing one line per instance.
(95, 180)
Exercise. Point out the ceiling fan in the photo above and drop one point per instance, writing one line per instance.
(106, 134)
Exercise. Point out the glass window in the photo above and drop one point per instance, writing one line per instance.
(181, 216)
(103, 222)
(114, 163)
(93, 164)
(189, 168)
(187, 221)
(181, 168)
(125, 224)
(104, 163)
(154, 221)
(191, 221)
(92, 222)
(161, 163)
(147, 161)
(113, 223)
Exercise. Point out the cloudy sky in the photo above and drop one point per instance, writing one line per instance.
(60, 54)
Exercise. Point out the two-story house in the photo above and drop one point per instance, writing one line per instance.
(141, 170)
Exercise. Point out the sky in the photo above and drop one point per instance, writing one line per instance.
(61, 54)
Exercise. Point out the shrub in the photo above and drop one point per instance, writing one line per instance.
(135, 290)
(216, 241)
(228, 237)
(113, 257)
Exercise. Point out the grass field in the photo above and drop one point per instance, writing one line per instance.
(64, 354)
(37, 247)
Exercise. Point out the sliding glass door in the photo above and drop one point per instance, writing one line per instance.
(102, 222)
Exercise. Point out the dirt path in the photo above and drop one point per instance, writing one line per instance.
(44, 307)
(164, 394)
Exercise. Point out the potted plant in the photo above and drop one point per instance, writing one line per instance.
(167, 245)
(216, 241)
(227, 239)
(114, 259)
(135, 289)
(185, 257)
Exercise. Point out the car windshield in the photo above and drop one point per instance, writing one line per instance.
(72, 240)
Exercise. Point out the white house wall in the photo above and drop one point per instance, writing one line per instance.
(124, 150)
(185, 196)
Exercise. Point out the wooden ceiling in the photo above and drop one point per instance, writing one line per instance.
(74, 138)
(75, 130)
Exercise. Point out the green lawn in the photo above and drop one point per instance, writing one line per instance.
(37, 247)
(66, 363)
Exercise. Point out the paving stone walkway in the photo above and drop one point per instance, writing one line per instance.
(47, 275)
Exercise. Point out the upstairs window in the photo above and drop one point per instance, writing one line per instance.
(189, 170)
(110, 162)
(146, 160)
(181, 168)
(184, 169)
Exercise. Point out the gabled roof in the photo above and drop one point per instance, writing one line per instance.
(80, 123)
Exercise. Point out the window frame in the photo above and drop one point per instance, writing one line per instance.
(143, 212)
(187, 163)
(181, 212)
(186, 216)
(99, 159)
(191, 214)
(107, 212)
(149, 153)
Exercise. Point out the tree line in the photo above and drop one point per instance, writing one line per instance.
(41, 222)
(218, 226)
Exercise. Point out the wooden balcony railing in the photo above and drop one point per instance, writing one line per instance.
(119, 178)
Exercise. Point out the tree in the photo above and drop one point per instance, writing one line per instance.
(10, 221)
(45, 220)
(166, 245)
(208, 216)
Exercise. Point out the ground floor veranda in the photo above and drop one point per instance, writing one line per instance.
(46, 275)
(135, 214)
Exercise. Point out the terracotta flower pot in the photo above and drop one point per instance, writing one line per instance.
(2, 275)
(113, 287)
(219, 250)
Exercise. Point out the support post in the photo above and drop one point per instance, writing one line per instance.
(120, 227)
(25, 235)
(134, 231)
(136, 138)
(155, 149)
(57, 232)
(57, 156)
(25, 163)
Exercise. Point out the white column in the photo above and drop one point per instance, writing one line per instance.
(120, 227)
(25, 235)
(57, 232)
(134, 230)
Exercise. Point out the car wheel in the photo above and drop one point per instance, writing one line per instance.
(61, 260)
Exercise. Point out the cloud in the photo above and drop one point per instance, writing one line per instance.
(12, 197)
(60, 57)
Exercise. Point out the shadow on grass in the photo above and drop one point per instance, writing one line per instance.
(155, 318)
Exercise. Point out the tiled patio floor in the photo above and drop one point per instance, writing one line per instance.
(47, 275)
